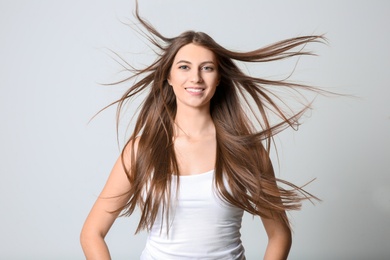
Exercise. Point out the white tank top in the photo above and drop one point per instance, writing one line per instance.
(202, 226)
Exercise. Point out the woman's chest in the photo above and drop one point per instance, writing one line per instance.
(195, 156)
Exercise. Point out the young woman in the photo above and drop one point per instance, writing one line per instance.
(195, 160)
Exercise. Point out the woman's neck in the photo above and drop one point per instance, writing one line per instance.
(193, 123)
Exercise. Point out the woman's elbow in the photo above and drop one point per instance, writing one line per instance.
(85, 237)
(89, 237)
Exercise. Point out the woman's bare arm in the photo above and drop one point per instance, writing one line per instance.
(278, 232)
(279, 239)
(100, 218)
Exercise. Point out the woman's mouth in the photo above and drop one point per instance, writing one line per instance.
(194, 90)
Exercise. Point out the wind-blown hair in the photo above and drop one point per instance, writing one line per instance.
(242, 154)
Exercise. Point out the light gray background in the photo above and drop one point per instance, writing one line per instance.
(53, 55)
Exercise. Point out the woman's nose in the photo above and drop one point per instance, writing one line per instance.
(196, 77)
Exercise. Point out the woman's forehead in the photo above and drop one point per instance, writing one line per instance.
(194, 53)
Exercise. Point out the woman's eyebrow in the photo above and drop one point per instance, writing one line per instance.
(188, 62)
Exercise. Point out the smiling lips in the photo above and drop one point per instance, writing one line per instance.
(195, 90)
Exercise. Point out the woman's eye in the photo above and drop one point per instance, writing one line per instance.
(208, 68)
(184, 67)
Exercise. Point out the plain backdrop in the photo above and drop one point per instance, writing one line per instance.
(54, 55)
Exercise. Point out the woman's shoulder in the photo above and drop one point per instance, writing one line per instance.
(130, 149)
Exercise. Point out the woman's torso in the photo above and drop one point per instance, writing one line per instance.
(201, 225)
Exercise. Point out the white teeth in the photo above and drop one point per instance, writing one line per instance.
(195, 90)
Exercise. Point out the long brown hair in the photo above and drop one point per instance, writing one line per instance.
(243, 146)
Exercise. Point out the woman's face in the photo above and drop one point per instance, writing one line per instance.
(194, 76)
